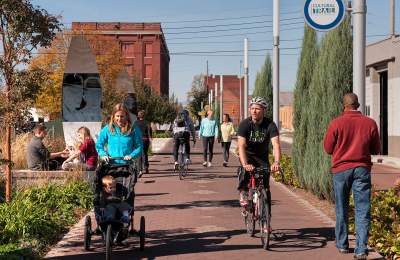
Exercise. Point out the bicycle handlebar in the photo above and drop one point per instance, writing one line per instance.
(263, 169)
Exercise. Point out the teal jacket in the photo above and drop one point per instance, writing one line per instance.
(119, 145)
(208, 128)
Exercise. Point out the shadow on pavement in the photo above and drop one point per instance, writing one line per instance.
(189, 241)
(192, 204)
(150, 194)
(292, 240)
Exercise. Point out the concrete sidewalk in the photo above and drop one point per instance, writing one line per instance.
(199, 218)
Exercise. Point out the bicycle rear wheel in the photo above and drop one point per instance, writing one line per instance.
(265, 220)
(181, 172)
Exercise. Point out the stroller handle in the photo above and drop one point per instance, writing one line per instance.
(117, 158)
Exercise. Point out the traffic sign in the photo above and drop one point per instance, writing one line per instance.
(324, 15)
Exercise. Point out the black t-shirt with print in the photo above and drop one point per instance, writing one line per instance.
(257, 139)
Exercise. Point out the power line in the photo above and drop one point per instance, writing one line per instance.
(231, 29)
(219, 19)
(214, 19)
(236, 34)
(203, 31)
(178, 53)
(229, 24)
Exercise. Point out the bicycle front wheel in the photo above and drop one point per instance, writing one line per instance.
(265, 220)
(250, 220)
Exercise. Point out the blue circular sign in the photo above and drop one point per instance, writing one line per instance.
(324, 15)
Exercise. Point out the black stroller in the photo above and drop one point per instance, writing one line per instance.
(114, 231)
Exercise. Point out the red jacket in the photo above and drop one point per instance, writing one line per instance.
(351, 139)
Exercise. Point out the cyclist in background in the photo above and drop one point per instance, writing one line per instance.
(254, 135)
(182, 129)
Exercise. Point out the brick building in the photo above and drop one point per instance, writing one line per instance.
(232, 91)
(143, 49)
(286, 110)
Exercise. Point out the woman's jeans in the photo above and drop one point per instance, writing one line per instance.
(359, 181)
(226, 146)
(208, 145)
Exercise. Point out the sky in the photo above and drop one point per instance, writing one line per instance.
(213, 27)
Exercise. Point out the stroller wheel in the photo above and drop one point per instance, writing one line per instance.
(142, 232)
(87, 233)
(108, 242)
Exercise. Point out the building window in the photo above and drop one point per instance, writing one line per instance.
(367, 110)
(127, 49)
(148, 50)
(129, 69)
(148, 71)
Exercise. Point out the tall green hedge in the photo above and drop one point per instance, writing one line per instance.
(263, 84)
(308, 57)
(331, 79)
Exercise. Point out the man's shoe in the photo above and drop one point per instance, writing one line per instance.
(187, 161)
(361, 256)
(176, 165)
(205, 164)
(344, 250)
(225, 164)
(140, 174)
(209, 164)
(243, 199)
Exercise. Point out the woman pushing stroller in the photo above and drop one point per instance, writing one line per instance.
(118, 139)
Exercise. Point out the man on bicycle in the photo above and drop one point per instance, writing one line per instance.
(182, 129)
(254, 136)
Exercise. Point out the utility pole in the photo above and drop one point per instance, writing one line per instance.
(215, 96)
(221, 98)
(240, 92)
(211, 99)
(392, 18)
(275, 66)
(359, 11)
(246, 79)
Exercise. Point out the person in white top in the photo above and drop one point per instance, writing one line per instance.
(227, 131)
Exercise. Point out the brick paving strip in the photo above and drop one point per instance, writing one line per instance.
(199, 218)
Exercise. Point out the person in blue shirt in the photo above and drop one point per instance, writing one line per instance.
(208, 132)
(119, 138)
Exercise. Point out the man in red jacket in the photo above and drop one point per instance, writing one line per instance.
(351, 139)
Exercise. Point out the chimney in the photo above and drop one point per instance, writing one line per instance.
(392, 18)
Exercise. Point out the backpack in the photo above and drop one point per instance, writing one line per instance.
(180, 121)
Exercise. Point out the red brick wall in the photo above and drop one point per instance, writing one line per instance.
(231, 94)
(134, 55)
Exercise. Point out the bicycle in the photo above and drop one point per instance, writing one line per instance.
(182, 167)
(259, 206)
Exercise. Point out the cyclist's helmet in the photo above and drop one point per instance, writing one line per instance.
(258, 101)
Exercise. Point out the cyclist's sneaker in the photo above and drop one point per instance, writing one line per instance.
(209, 164)
(243, 200)
(176, 165)
(205, 164)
